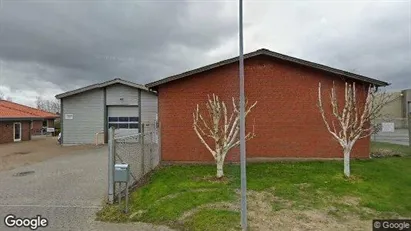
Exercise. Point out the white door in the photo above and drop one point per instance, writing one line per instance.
(124, 119)
(16, 132)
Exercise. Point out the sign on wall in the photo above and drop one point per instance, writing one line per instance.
(68, 116)
(50, 130)
(387, 127)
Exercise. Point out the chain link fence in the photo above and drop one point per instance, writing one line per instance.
(141, 151)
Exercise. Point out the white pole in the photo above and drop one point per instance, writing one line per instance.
(242, 126)
(111, 150)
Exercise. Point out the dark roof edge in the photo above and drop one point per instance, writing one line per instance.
(274, 55)
(101, 85)
(20, 118)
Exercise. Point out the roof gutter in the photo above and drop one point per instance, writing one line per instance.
(20, 118)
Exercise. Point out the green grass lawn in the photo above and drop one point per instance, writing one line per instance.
(188, 197)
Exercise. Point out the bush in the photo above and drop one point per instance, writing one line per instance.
(382, 153)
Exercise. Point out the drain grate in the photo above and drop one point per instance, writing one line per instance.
(23, 173)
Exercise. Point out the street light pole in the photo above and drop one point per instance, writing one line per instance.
(242, 125)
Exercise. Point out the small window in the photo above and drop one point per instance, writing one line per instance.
(114, 125)
(133, 119)
(134, 126)
(122, 125)
(112, 119)
(123, 119)
(44, 123)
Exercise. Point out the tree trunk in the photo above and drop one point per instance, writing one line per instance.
(220, 164)
(347, 162)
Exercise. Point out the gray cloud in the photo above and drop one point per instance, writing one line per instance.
(68, 43)
(47, 47)
(378, 45)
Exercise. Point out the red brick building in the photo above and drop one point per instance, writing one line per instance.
(286, 120)
(19, 122)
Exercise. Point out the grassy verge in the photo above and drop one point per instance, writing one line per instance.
(188, 197)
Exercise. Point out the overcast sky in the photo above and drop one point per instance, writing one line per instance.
(51, 46)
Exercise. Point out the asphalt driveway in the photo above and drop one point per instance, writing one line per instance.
(399, 136)
(67, 190)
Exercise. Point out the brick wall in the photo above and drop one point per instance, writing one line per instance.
(37, 126)
(6, 131)
(286, 119)
(25, 130)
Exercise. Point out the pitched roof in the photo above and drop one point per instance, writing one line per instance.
(101, 85)
(11, 110)
(275, 55)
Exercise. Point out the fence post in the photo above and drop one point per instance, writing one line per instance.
(111, 153)
(409, 128)
(151, 149)
(142, 150)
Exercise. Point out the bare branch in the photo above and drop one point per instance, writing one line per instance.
(222, 129)
(354, 119)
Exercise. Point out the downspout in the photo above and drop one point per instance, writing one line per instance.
(139, 112)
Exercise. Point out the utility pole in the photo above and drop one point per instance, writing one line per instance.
(242, 125)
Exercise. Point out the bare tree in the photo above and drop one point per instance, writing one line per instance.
(52, 106)
(221, 128)
(354, 120)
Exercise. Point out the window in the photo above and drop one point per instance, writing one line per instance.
(112, 119)
(123, 119)
(115, 125)
(134, 126)
(123, 122)
(123, 125)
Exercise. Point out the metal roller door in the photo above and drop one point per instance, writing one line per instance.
(125, 119)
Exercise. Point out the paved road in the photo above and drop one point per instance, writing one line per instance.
(67, 190)
(399, 136)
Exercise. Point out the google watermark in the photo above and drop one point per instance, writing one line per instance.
(33, 223)
(383, 225)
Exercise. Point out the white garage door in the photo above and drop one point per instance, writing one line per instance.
(124, 119)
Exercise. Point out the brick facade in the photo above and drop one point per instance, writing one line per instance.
(286, 119)
(6, 131)
(37, 126)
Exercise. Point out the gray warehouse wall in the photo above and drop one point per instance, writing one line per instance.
(87, 110)
(149, 108)
(394, 108)
(117, 92)
(406, 102)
